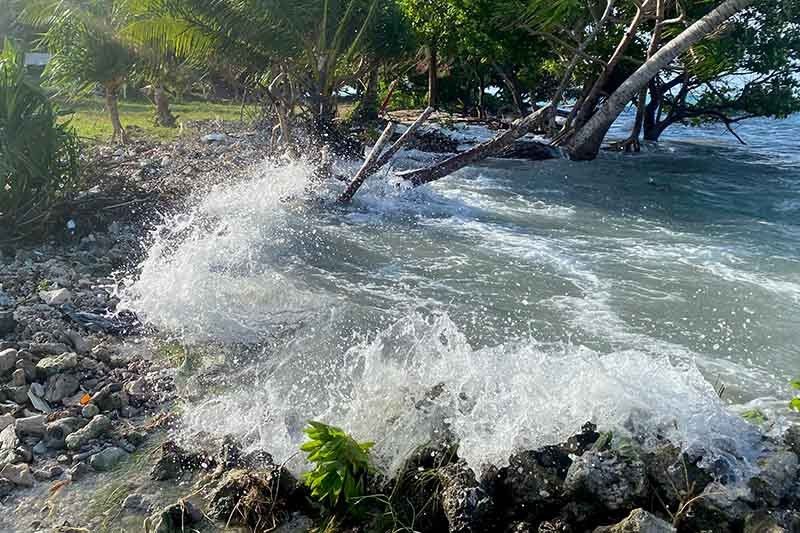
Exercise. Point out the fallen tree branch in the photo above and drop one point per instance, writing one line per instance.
(376, 160)
(478, 152)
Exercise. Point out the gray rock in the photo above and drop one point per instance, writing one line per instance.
(38, 389)
(31, 425)
(534, 479)
(5, 421)
(19, 475)
(37, 402)
(78, 471)
(17, 394)
(173, 519)
(776, 478)
(50, 366)
(90, 410)
(465, 504)
(7, 322)
(57, 431)
(96, 427)
(719, 508)
(18, 378)
(639, 521)
(41, 448)
(214, 138)
(8, 445)
(765, 521)
(6, 487)
(137, 503)
(78, 342)
(614, 479)
(792, 438)
(49, 348)
(61, 386)
(8, 359)
(56, 296)
(107, 459)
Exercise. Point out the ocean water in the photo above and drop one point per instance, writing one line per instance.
(508, 303)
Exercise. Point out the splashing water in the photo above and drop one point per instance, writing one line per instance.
(508, 304)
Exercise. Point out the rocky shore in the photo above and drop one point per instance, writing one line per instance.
(88, 399)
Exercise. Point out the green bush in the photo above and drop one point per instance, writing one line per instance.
(39, 153)
(341, 465)
(795, 403)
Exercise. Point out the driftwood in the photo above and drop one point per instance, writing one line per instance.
(376, 160)
(479, 152)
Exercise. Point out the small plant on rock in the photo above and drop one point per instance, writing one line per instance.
(341, 465)
(795, 402)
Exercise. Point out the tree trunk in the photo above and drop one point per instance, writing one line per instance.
(512, 84)
(164, 117)
(433, 76)
(477, 153)
(367, 109)
(655, 42)
(589, 104)
(586, 142)
(112, 107)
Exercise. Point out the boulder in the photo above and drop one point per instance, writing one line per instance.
(31, 425)
(55, 297)
(765, 521)
(776, 477)
(174, 461)
(61, 386)
(19, 475)
(465, 504)
(50, 366)
(96, 427)
(639, 521)
(173, 519)
(8, 359)
(673, 473)
(533, 481)
(613, 478)
(107, 459)
(252, 497)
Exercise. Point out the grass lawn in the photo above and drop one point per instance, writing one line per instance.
(91, 121)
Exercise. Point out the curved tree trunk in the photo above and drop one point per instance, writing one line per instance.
(164, 116)
(433, 75)
(586, 142)
(112, 107)
(589, 104)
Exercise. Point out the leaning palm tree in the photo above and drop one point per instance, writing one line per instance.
(88, 50)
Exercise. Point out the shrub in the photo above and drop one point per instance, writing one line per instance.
(795, 402)
(341, 465)
(39, 153)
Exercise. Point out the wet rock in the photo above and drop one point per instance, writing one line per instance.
(108, 398)
(31, 425)
(465, 504)
(776, 478)
(252, 497)
(615, 479)
(174, 461)
(60, 386)
(90, 410)
(173, 519)
(108, 459)
(533, 481)
(673, 474)
(8, 358)
(56, 297)
(765, 521)
(717, 508)
(639, 521)
(96, 427)
(19, 475)
(50, 366)
(792, 438)
(556, 525)
(78, 343)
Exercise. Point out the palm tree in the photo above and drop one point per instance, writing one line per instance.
(586, 142)
(88, 50)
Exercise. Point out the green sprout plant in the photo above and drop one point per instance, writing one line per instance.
(341, 466)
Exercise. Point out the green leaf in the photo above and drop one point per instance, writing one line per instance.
(795, 404)
(795, 383)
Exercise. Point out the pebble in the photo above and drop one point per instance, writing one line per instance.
(90, 410)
